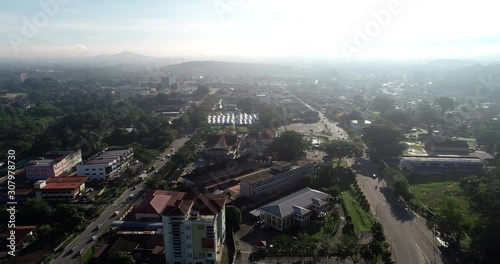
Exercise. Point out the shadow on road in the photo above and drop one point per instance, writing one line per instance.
(397, 208)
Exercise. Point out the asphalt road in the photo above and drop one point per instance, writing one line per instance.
(84, 240)
(411, 240)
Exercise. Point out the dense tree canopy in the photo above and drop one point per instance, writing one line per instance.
(233, 217)
(383, 141)
(428, 116)
(383, 104)
(445, 103)
(340, 149)
(289, 145)
(119, 257)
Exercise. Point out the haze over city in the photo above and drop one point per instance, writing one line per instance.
(249, 132)
(252, 28)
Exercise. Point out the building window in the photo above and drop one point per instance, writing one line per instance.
(189, 255)
(188, 236)
(188, 245)
(209, 255)
(201, 227)
(188, 227)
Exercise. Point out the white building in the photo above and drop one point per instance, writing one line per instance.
(281, 177)
(194, 226)
(295, 209)
(106, 164)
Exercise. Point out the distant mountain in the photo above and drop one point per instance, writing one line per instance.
(127, 57)
(451, 64)
(221, 67)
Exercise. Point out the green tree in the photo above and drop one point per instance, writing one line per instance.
(366, 253)
(339, 149)
(445, 103)
(233, 217)
(383, 104)
(378, 231)
(451, 221)
(428, 116)
(37, 210)
(289, 145)
(383, 141)
(120, 257)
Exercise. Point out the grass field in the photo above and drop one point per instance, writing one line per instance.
(361, 219)
(433, 195)
(13, 95)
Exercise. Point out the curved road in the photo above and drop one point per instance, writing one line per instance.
(411, 240)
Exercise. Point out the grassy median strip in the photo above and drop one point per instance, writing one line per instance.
(361, 219)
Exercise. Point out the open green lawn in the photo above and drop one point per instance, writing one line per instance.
(242, 129)
(361, 219)
(432, 194)
(13, 95)
(343, 163)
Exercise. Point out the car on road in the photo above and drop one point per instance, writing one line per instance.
(162, 158)
(135, 188)
(168, 155)
(144, 172)
(172, 150)
(72, 249)
(374, 176)
(94, 238)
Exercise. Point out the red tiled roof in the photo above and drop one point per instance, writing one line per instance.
(180, 203)
(64, 183)
(21, 232)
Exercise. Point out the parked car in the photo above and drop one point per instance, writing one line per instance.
(374, 176)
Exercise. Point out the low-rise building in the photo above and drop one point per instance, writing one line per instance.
(106, 164)
(52, 164)
(220, 148)
(295, 209)
(441, 165)
(282, 176)
(60, 189)
(447, 147)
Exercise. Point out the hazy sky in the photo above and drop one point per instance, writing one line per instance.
(415, 29)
